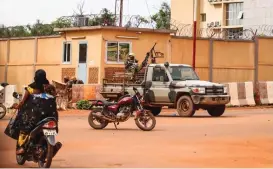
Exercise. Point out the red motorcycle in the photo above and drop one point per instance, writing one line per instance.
(104, 112)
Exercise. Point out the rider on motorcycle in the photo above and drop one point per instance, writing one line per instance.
(29, 120)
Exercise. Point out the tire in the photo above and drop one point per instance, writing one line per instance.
(185, 106)
(155, 110)
(217, 111)
(140, 126)
(20, 159)
(3, 111)
(91, 119)
(49, 156)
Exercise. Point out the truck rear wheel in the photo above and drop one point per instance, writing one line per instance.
(185, 107)
(217, 111)
(155, 110)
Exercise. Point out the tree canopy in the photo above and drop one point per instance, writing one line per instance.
(105, 18)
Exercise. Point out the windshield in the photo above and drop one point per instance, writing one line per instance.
(181, 73)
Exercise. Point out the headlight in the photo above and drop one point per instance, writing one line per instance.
(225, 90)
(198, 90)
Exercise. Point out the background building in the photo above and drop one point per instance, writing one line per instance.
(224, 17)
(257, 13)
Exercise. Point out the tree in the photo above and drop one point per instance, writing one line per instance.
(140, 20)
(106, 18)
(163, 17)
(62, 23)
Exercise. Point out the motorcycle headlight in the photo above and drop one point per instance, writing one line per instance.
(198, 90)
(225, 90)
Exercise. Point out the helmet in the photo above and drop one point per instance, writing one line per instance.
(132, 54)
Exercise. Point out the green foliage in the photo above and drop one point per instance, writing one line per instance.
(83, 105)
(106, 18)
(163, 17)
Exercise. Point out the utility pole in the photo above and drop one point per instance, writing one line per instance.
(194, 34)
(116, 6)
(121, 13)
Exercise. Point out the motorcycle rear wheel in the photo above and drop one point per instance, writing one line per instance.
(20, 159)
(91, 118)
(3, 111)
(49, 154)
(142, 118)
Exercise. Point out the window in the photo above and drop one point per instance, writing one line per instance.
(82, 53)
(203, 17)
(234, 14)
(160, 75)
(66, 52)
(180, 73)
(235, 33)
(118, 51)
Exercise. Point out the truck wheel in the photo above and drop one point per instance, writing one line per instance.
(155, 110)
(217, 111)
(185, 107)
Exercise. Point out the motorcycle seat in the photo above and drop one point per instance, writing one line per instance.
(106, 103)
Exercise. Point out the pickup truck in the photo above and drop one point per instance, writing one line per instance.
(175, 86)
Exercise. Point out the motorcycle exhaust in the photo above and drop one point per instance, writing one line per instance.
(103, 117)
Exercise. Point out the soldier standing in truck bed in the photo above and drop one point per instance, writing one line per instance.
(131, 64)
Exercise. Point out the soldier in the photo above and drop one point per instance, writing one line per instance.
(131, 64)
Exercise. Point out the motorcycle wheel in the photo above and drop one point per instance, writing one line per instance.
(143, 119)
(91, 118)
(3, 111)
(46, 162)
(20, 159)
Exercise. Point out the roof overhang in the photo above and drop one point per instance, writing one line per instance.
(90, 28)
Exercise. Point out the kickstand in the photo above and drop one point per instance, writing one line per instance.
(115, 125)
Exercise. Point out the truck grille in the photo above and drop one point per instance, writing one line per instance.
(214, 90)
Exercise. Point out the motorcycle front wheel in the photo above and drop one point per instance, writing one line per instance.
(45, 161)
(3, 111)
(144, 119)
(20, 159)
(92, 119)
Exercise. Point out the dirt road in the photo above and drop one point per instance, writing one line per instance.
(241, 138)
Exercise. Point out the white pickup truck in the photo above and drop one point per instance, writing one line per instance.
(176, 86)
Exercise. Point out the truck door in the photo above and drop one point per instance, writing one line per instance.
(160, 85)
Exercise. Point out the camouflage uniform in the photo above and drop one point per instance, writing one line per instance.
(131, 64)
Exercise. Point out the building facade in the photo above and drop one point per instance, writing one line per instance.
(217, 15)
(257, 13)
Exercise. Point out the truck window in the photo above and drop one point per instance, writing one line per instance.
(182, 73)
(160, 75)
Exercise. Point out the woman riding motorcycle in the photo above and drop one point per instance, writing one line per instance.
(28, 120)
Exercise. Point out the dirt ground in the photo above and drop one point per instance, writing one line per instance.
(241, 138)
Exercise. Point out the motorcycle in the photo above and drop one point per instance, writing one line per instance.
(41, 146)
(107, 112)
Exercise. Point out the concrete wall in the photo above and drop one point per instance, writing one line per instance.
(226, 61)
(216, 60)
(258, 12)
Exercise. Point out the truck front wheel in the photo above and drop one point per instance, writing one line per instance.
(217, 111)
(185, 107)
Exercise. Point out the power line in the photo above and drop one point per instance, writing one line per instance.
(149, 12)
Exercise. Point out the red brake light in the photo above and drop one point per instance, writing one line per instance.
(50, 124)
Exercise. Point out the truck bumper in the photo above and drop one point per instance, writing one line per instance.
(211, 99)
